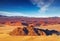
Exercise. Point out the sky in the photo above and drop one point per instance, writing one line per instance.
(30, 8)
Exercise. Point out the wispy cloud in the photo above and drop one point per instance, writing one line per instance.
(18, 14)
(42, 4)
(12, 13)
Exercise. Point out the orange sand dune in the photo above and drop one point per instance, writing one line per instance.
(8, 29)
(6, 37)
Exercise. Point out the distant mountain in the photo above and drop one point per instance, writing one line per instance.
(54, 17)
(2, 16)
(29, 20)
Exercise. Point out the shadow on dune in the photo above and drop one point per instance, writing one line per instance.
(49, 32)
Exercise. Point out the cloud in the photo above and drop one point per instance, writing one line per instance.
(18, 14)
(43, 6)
(12, 13)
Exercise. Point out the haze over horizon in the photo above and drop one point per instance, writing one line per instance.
(30, 8)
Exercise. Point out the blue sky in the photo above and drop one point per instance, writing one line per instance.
(30, 8)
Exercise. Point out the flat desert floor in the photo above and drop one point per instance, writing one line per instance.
(6, 37)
